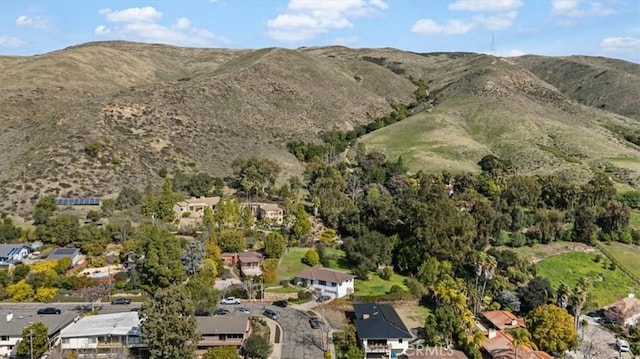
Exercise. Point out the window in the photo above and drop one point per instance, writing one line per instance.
(65, 340)
(333, 284)
(322, 282)
(222, 337)
(400, 340)
(92, 340)
(134, 340)
(4, 338)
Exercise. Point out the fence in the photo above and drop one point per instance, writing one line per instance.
(624, 269)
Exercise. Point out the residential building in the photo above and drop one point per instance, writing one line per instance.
(272, 212)
(104, 336)
(195, 206)
(625, 311)
(381, 332)
(13, 322)
(326, 281)
(250, 263)
(13, 253)
(229, 259)
(494, 325)
(72, 253)
(224, 330)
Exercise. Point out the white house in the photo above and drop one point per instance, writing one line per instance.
(13, 322)
(71, 253)
(12, 253)
(325, 281)
(103, 335)
(380, 330)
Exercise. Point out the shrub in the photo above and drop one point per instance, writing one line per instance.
(186, 214)
(285, 283)
(270, 264)
(311, 258)
(612, 266)
(598, 258)
(327, 355)
(116, 160)
(304, 295)
(386, 273)
(163, 172)
(92, 148)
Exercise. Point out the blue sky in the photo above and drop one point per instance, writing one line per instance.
(545, 27)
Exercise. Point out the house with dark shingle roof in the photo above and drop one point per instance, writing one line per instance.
(326, 281)
(13, 253)
(380, 330)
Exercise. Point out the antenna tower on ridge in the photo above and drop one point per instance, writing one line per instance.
(492, 51)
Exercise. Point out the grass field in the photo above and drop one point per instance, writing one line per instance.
(282, 290)
(291, 264)
(539, 252)
(378, 286)
(634, 221)
(568, 268)
(627, 254)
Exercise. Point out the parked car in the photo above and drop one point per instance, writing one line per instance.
(49, 310)
(243, 310)
(121, 301)
(136, 309)
(323, 298)
(221, 311)
(315, 322)
(281, 303)
(606, 321)
(622, 345)
(596, 313)
(230, 300)
(270, 314)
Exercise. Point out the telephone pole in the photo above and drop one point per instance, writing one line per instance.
(31, 342)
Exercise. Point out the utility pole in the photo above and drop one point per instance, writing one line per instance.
(31, 342)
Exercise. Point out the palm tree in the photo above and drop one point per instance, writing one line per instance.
(562, 296)
(521, 337)
(488, 274)
(579, 298)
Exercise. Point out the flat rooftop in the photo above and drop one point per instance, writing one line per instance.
(125, 323)
(24, 318)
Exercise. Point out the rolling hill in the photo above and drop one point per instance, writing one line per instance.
(152, 106)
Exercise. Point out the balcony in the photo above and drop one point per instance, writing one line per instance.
(377, 348)
(109, 345)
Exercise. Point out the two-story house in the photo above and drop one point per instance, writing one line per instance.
(13, 322)
(269, 211)
(13, 253)
(326, 281)
(226, 330)
(250, 263)
(494, 325)
(194, 206)
(104, 336)
(380, 330)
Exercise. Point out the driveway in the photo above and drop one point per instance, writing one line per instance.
(299, 340)
(598, 343)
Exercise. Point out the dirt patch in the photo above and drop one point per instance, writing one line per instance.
(549, 251)
(336, 313)
(412, 314)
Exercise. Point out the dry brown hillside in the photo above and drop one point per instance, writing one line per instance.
(153, 106)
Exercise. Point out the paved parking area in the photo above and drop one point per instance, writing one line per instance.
(299, 340)
(598, 343)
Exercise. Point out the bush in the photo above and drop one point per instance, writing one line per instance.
(327, 355)
(92, 148)
(270, 264)
(612, 266)
(361, 272)
(285, 283)
(304, 296)
(386, 273)
(598, 258)
(186, 214)
(311, 258)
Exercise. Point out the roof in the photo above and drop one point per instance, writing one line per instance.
(379, 321)
(7, 250)
(24, 318)
(623, 309)
(434, 353)
(250, 257)
(269, 207)
(501, 347)
(234, 323)
(209, 201)
(227, 254)
(60, 253)
(125, 323)
(503, 320)
(325, 274)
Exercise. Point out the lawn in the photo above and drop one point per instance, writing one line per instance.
(608, 285)
(634, 220)
(627, 254)
(291, 264)
(378, 286)
(337, 259)
(282, 290)
(539, 252)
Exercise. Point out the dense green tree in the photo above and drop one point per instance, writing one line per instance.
(161, 265)
(549, 226)
(192, 256)
(232, 240)
(128, 198)
(615, 217)
(521, 337)
(9, 232)
(208, 219)
(34, 337)
(44, 209)
(169, 326)
(598, 191)
(255, 174)
(536, 293)
(302, 224)
(150, 202)
(274, 245)
(552, 328)
(61, 230)
(257, 347)
(369, 250)
(203, 294)
(522, 191)
(558, 192)
(562, 296)
(198, 185)
(311, 258)
(221, 352)
(166, 201)
(578, 298)
(584, 226)
(509, 300)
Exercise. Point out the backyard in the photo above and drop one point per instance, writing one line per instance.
(627, 254)
(608, 285)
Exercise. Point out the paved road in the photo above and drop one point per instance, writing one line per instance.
(79, 307)
(299, 339)
(598, 342)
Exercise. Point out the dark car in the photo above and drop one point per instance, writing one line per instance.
(323, 298)
(221, 311)
(124, 301)
(270, 314)
(314, 322)
(136, 309)
(50, 310)
(281, 303)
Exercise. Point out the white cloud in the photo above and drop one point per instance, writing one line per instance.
(574, 9)
(33, 22)
(451, 27)
(513, 53)
(344, 41)
(9, 41)
(141, 24)
(134, 14)
(621, 45)
(486, 5)
(492, 15)
(304, 20)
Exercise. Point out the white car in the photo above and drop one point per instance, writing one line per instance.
(230, 300)
(622, 345)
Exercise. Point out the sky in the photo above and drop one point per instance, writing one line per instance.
(500, 27)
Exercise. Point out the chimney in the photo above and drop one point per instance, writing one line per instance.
(365, 316)
(514, 323)
(9, 317)
(631, 295)
(492, 333)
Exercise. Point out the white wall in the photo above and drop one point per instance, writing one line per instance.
(340, 290)
(5, 352)
(79, 343)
